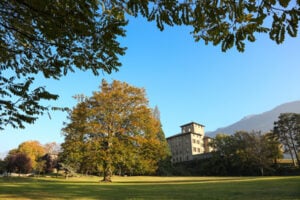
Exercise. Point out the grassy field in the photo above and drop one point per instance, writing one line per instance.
(206, 188)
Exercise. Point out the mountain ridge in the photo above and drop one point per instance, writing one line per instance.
(258, 122)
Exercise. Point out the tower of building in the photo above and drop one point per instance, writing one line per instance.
(189, 143)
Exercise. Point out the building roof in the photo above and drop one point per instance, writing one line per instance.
(192, 123)
(182, 134)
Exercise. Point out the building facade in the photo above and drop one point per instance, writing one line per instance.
(189, 144)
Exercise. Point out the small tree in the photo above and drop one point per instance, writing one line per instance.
(18, 162)
(50, 162)
(67, 169)
(40, 166)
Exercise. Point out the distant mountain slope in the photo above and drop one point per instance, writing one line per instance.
(263, 122)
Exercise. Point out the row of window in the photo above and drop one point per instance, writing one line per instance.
(197, 136)
(196, 149)
(194, 141)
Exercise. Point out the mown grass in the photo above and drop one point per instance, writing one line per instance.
(207, 188)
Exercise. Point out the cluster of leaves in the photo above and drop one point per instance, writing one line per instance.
(19, 104)
(53, 38)
(50, 38)
(229, 23)
(114, 131)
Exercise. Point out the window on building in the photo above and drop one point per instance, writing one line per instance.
(198, 150)
(194, 141)
(194, 149)
(198, 142)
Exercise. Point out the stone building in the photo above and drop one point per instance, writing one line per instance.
(190, 144)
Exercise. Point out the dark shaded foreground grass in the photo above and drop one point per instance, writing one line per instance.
(206, 188)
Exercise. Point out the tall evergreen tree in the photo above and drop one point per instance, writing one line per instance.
(164, 167)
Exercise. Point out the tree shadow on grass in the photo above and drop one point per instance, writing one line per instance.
(179, 181)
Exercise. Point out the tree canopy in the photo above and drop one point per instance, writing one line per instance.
(114, 131)
(287, 130)
(244, 153)
(18, 162)
(53, 38)
(33, 149)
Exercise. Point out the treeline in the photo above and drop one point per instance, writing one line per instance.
(31, 157)
(241, 154)
(251, 153)
(116, 132)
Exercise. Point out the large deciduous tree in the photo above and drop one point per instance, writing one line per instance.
(114, 130)
(287, 130)
(257, 150)
(164, 164)
(53, 38)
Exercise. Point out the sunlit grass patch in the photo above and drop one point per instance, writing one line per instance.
(148, 187)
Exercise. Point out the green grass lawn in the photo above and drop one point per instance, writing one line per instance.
(206, 188)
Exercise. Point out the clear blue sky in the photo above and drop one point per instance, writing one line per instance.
(188, 81)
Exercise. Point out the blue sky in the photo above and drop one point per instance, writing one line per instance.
(188, 81)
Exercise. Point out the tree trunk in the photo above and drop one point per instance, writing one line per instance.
(292, 155)
(262, 171)
(107, 165)
(296, 154)
(107, 172)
